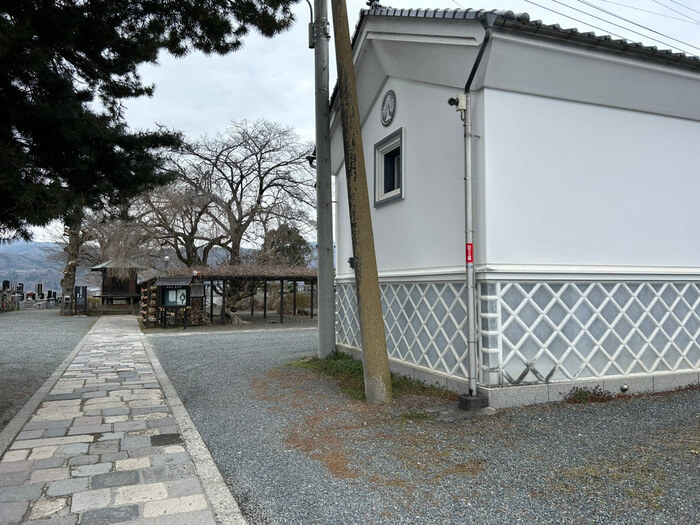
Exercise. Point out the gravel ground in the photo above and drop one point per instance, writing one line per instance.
(32, 345)
(294, 449)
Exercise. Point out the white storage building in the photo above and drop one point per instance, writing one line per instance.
(587, 188)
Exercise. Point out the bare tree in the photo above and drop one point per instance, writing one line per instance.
(178, 218)
(254, 177)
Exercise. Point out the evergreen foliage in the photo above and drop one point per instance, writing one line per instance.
(67, 65)
(285, 246)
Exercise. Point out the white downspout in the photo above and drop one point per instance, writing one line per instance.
(463, 104)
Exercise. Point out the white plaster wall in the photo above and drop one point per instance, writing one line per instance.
(579, 184)
(425, 230)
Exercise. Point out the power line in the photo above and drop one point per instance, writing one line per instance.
(622, 27)
(683, 5)
(675, 10)
(585, 2)
(657, 13)
(577, 20)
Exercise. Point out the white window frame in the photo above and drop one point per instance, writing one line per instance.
(381, 148)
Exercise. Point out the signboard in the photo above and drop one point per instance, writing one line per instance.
(81, 300)
(175, 297)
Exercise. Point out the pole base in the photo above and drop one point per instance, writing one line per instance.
(467, 402)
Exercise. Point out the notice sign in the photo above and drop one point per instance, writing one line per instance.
(470, 253)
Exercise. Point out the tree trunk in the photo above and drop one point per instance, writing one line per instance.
(73, 222)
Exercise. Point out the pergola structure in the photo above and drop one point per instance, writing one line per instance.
(226, 275)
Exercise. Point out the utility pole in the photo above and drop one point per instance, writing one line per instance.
(324, 207)
(375, 358)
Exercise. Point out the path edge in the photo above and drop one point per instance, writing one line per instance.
(223, 504)
(16, 424)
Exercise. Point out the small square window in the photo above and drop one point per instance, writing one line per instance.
(388, 169)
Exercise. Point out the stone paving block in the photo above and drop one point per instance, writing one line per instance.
(161, 422)
(77, 461)
(21, 493)
(56, 520)
(130, 425)
(110, 435)
(35, 425)
(140, 493)
(115, 479)
(113, 456)
(53, 462)
(170, 459)
(174, 506)
(55, 432)
(12, 511)
(88, 420)
(67, 487)
(132, 464)
(91, 470)
(130, 443)
(200, 517)
(91, 499)
(109, 516)
(45, 508)
(15, 466)
(10, 479)
(29, 434)
(15, 455)
(103, 447)
(166, 439)
(184, 487)
(34, 443)
(168, 472)
(49, 474)
(116, 419)
(89, 429)
(74, 449)
(144, 452)
(43, 452)
(115, 411)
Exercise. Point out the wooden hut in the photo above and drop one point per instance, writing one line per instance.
(119, 292)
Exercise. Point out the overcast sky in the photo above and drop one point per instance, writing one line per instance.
(273, 78)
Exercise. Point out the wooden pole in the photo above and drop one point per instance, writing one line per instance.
(374, 353)
(252, 302)
(294, 298)
(311, 311)
(211, 302)
(281, 301)
(265, 300)
(223, 301)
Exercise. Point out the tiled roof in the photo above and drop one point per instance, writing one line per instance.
(521, 22)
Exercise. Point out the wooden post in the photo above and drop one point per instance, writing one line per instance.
(223, 301)
(281, 301)
(211, 302)
(265, 300)
(312, 300)
(294, 298)
(371, 320)
(252, 301)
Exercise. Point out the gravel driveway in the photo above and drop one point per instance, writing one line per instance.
(294, 449)
(32, 345)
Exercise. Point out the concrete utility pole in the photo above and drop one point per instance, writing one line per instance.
(376, 360)
(324, 209)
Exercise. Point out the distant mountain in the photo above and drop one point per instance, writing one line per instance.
(31, 263)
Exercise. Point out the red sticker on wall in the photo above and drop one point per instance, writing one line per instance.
(470, 253)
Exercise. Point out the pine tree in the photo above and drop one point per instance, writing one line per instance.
(66, 66)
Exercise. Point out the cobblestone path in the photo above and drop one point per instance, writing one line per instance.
(104, 445)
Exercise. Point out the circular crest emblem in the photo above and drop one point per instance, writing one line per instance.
(388, 107)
